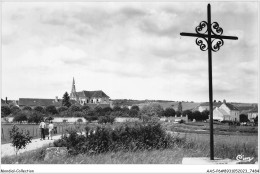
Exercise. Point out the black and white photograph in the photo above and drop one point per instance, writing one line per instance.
(132, 83)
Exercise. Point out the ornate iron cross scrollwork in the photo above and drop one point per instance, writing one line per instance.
(202, 42)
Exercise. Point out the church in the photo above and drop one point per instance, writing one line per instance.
(88, 97)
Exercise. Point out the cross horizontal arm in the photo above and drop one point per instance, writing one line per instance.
(212, 36)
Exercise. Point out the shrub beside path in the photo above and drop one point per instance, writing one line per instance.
(8, 149)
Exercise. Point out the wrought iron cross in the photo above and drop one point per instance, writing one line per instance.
(209, 37)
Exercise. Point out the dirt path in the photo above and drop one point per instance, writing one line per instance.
(8, 149)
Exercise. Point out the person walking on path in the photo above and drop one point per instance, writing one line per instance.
(42, 127)
(51, 126)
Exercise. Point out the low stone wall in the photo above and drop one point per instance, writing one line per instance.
(172, 119)
(68, 119)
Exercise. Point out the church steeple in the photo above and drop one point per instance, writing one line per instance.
(73, 94)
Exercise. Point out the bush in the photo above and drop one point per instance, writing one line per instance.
(62, 108)
(51, 110)
(27, 108)
(127, 137)
(79, 120)
(19, 139)
(5, 111)
(39, 109)
(169, 112)
(20, 117)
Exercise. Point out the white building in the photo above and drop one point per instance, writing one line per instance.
(226, 111)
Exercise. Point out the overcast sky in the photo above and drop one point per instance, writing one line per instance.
(129, 50)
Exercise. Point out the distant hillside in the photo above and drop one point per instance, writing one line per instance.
(163, 103)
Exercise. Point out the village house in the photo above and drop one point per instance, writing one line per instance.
(253, 114)
(89, 97)
(226, 111)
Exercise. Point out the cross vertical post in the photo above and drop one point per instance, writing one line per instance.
(210, 86)
(209, 37)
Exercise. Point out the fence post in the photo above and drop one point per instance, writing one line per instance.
(3, 134)
(33, 132)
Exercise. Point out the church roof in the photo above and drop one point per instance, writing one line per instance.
(92, 94)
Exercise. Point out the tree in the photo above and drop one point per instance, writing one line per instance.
(107, 110)
(135, 108)
(98, 111)
(19, 139)
(51, 110)
(205, 115)
(169, 112)
(35, 117)
(125, 111)
(5, 111)
(155, 110)
(20, 117)
(78, 114)
(66, 100)
(85, 108)
(15, 109)
(243, 118)
(197, 115)
(74, 108)
(39, 109)
(117, 108)
(133, 113)
(27, 108)
(188, 113)
(178, 113)
(180, 107)
(62, 108)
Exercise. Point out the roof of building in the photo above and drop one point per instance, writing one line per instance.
(38, 102)
(255, 109)
(244, 108)
(92, 94)
(231, 107)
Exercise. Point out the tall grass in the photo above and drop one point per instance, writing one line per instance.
(116, 140)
